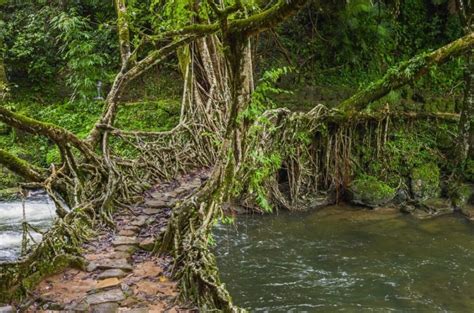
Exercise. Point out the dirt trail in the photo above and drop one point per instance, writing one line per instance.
(122, 274)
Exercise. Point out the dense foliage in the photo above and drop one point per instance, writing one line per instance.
(56, 52)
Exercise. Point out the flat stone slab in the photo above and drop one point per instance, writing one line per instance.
(139, 221)
(124, 240)
(108, 264)
(126, 248)
(114, 295)
(110, 307)
(157, 203)
(77, 307)
(108, 282)
(127, 232)
(151, 211)
(115, 272)
(131, 228)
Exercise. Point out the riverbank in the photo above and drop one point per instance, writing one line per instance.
(345, 258)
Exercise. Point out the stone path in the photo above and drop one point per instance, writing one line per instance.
(122, 274)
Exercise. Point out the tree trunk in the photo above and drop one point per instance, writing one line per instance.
(187, 236)
(3, 77)
(466, 16)
(467, 112)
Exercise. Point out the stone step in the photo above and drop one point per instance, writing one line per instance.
(110, 307)
(113, 295)
(139, 221)
(124, 240)
(115, 272)
(147, 244)
(127, 232)
(108, 264)
(158, 203)
(151, 211)
(107, 283)
(126, 248)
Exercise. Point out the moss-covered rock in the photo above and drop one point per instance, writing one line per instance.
(425, 181)
(463, 195)
(371, 192)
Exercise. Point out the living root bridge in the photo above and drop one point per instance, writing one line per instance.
(317, 149)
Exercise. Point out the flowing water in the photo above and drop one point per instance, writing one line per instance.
(343, 259)
(39, 212)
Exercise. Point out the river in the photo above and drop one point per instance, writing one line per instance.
(342, 259)
(338, 259)
(39, 211)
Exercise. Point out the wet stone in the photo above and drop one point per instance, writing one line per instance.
(124, 240)
(105, 308)
(114, 264)
(111, 273)
(113, 295)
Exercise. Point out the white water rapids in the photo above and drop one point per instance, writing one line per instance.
(39, 212)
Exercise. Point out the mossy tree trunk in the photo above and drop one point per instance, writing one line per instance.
(405, 73)
(466, 15)
(3, 75)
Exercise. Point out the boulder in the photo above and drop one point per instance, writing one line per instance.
(369, 191)
(463, 195)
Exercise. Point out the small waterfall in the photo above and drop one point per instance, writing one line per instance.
(39, 211)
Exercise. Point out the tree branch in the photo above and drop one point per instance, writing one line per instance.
(405, 73)
(123, 30)
(60, 136)
(21, 167)
(248, 26)
(123, 79)
(245, 27)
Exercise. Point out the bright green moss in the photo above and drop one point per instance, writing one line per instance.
(425, 181)
(368, 190)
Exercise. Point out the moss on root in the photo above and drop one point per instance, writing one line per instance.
(44, 268)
